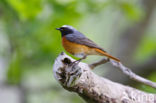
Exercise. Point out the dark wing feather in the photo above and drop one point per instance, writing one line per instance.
(81, 39)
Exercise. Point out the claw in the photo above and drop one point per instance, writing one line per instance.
(78, 61)
(74, 63)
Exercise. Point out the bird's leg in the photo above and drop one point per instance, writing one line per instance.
(78, 61)
(84, 57)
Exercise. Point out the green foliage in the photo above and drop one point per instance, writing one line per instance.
(14, 71)
(34, 43)
(132, 11)
(26, 9)
(147, 48)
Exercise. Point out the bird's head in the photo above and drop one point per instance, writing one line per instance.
(66, 29)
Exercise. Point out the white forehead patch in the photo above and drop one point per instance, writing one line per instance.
(68, 26)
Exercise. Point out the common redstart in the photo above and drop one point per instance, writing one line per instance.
(79, 45)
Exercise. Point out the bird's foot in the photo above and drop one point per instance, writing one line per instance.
(74, 63)
(77, 61)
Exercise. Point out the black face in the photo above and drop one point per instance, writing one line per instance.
(65, 30)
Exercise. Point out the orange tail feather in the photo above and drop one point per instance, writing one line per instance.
(107, 55)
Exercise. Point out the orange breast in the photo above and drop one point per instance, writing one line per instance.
(75, 48)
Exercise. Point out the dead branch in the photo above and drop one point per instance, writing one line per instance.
(93, 88)
(125, 71)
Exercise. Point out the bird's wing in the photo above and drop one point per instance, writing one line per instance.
(81, 39)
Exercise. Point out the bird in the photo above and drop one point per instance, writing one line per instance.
(79, 45)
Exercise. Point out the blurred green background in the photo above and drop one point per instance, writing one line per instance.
(29, 43)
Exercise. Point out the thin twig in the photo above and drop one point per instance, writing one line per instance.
(132, 75)
(125, 71)
(95, 64)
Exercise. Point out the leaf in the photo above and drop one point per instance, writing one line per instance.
(27, 9)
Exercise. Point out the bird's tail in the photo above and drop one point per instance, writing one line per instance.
(107, 55)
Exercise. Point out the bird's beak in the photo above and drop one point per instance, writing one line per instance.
(57, 28)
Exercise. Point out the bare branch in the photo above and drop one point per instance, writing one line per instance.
(93, 88)
(132, 75)
(95, 64)
(125, 71)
